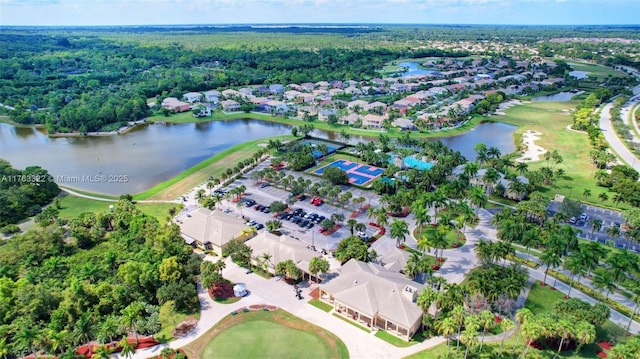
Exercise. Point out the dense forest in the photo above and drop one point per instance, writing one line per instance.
(23, 192)
(94, 277)
(98, 79)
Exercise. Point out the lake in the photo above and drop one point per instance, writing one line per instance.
(157, 152)
(413, 69)
(560, 97)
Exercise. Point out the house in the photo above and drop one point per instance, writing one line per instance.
(377, 107)
(373, 121)
(291, 95)
(276, 89)
(308, 86)
(405, 124)
(398, 87)
(352, 90)
(466, 104)
(229, 93)
(375, 297)
(323, 85)
(246, 92)
(307, 111)
(230, 105)
(402, 105)
(357, 104)
(274, 106)
(204, 111)
(173, 104)
(192, 97)
(336, 92)
(212, 96)
(280, 249)
(324, 114)
(336, 84)
(351, 119)
(211, 230)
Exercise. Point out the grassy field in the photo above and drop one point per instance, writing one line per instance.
(598, 71)
(263, 334)
(213, 166)
(552, 119)
(452, 236)
(73, 206)
(321, 305)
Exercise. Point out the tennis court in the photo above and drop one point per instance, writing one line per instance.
(359, 174)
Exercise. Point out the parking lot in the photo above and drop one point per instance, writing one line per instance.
(265, 195)
(609, 218)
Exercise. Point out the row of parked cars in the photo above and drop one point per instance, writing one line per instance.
(301, 218)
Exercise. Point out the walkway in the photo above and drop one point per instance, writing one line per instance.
(102, 199)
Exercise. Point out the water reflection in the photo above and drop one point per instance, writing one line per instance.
(157, 152)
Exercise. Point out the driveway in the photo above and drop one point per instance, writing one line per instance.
(614, 141)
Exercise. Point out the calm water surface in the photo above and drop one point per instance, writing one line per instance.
(158, 152)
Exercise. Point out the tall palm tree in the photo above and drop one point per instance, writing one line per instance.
(458, 313)
(522, 168)
(399, 231)
(446, 327)
(635, 298)
(506, 325)
(522, 316)
(24, 339)
(127, 350)
(585, 333)
(351, 224)
(4, 348)
(564, 329)
(613, 232)
(603, 197)
(550, 259)
(130, 316)
(486, 320)
(575, 265)
(586, 193)
(316, 266)
(602, 281)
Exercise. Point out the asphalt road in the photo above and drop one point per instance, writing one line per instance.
(607, 129)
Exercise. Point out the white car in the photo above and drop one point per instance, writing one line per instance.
(573, 220)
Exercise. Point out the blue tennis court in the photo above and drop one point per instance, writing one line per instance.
(369, 170)
(358, 173)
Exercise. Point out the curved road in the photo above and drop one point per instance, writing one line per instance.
(614, 141)
(77, 194)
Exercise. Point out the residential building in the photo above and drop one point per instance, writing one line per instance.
(212, 230)
(323, 115)
(192, 97)
(230, 105)
(212, 96)
(229, 93)
(373, 121)
(173, 104)
(375, 297)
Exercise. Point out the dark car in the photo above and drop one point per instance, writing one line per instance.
(302, 197)
(296, 219)
(265, 210)
(319, 219)
(264, 185)
(249, 202)
(309, 225)
(259, 226)
(282, 215)
(258, 207)
(303, 223)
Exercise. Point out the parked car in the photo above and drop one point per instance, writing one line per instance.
(303, 223)
(248, 202)
(309, 225)
(583, 217)
(319, 219)
(259, 226)
(572, 220)
(265, 184)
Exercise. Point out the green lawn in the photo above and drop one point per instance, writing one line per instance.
(262, 334)
(73, 206)
(542, 298)
(552, 119)
(395, 341)
(598, 71)
(451, 236)
(321, 305)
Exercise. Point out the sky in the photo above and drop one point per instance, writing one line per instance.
(175, 12)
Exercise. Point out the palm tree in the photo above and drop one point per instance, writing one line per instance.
(522, 316)
(551, 260)
(265, 260)
(318, 265)
(585, 333)
(438, 240)
(575, 265)
(351, 224)
(603, 197)
(25, 338)
(458, 314)
(101, 352)
(446, 327)
(273, 225)
(210, 187)
(531, 330)
(469, 338)
(127, 349)
(635, 298)
(602, 281)
(399, 231)
(506, 325)
(381, 216)
(596, 224)
(563, 328)
(484, 251)
(613, 232)
(477, 197)
(486, 320)
(522, 168)
(130, 316)
(586, 193)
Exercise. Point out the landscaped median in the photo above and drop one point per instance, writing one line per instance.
(595, 294)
